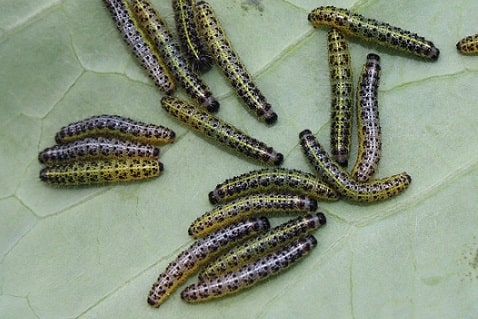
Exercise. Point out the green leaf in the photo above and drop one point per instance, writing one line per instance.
(95, 252)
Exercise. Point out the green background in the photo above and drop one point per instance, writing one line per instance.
(94, 252)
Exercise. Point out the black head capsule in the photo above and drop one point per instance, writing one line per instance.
(434, 53)
(279, 158)
(213, 106)
(304, 132)
(313, 204)
(212, 198)
(322, 219)
(271, 119)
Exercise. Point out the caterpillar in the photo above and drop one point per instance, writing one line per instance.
(221, 49)
(222, 132)
(272, 180)
(368, 123)
(97, 147)
(468, 45)
(142, 49)
(337, 177)
(100, 171)
(247, 206)
(342, 90)
(261, 245)
(188, 35)
(158, 31)
(381, 33)
(250, 274)
(115, 126)
(199, 253)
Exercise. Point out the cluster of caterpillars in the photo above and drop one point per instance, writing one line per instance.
(234, 246)
(104, 149)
